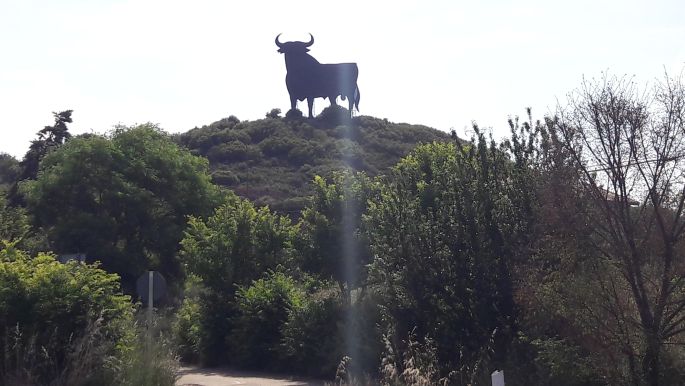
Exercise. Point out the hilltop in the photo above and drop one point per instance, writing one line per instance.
(272, 161)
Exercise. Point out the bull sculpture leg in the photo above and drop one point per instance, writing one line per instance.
(293, 103)
(310, 103)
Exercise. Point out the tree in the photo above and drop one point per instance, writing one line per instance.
(628, 149)
(123, 199)
(15, 228)
(49, 139)
(445, 231)
(60, 323)
(9, 171)
(263, 310)
(332, 242)
(228, 250)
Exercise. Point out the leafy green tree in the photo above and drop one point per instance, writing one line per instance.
(312, 341)
(15, 227)
(57, 319)
(49, 139)
(14, 223)
(230, 249)
(262, 311)
(445, 231)
(332, 243)
(122, 200)
(236, 244)
(9, 171)
(274, 113)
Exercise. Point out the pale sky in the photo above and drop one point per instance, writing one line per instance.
(443, 64)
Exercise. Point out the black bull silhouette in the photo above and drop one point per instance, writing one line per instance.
(309, 79)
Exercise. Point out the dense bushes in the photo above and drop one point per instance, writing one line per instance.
(462, 259)
(265, 155)
(228, 250)
(187, 330)
(262, 310)
(59, 321)
(312, 341)
(122, 200)
(444, 234)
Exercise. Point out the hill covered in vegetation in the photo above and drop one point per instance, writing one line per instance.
(272, 161)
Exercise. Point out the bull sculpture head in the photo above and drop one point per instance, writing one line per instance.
(306, 78)
(294, 47)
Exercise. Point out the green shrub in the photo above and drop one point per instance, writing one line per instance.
(149, 362)
(186, 330)
(262, 129)
(225, 177)
(304, 153)
(333, 115)
(274, 113)
(263, 309)
(230, 151)
(277, 146)
(225, 123)
(59, 323)
(312, 343)
(560, 362)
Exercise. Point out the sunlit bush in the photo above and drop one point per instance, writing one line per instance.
(263, 309)
(59, 322)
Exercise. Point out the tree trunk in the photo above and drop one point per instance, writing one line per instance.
(651, 360)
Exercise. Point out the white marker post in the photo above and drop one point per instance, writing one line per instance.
(150, 286)
(497, 378)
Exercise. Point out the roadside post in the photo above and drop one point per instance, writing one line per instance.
(150, 286)
(497, 378)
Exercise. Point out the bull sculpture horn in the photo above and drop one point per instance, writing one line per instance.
(311, 41)
(279, 44)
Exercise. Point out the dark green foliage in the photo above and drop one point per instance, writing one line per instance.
(230, 249)
(49, 139)
(236, 244)
(445, 231)
(560, 363)
(122, 200)
(14, 223)
(266, 156)
(15, 227)
(262, 310)
(312, 341)
(331, 242)
(57, 320)
(234, 151)
(225, 177)
(274, 113)
(9, 171)
(187, 330)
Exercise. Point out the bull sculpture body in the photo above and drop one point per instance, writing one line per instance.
(308, 79)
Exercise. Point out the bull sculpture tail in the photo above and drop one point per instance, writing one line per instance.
(357, 95)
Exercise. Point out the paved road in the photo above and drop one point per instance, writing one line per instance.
(192, 376)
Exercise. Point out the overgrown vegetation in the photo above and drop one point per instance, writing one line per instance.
(273, 160)
(121, 199)
(555, 255)
(69, 324)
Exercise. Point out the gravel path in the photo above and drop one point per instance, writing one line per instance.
(193, 376)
